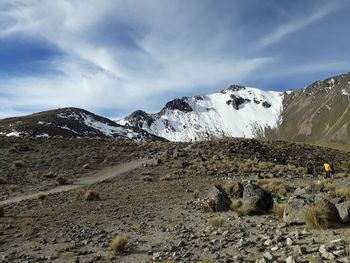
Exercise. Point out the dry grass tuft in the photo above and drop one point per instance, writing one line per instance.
(88, 195)
(216, 222)
(119, 243)
(166, 177)
(147, 178)
(12, 188)
(243, 208)
(343, 192)
(61, 180)
(2, 211)
(41, 196)
(247, 209)
(318, 216)
(233, 188)
(235, 204)
(195, 194)
(18, 164)
(278, 210)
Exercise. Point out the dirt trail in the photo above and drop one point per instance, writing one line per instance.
(83, 181)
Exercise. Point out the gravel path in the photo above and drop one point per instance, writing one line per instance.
(100, 176)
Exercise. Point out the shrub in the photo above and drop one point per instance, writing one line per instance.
(166, 177)
(278, 209)
(235, 204)
(88, 195)
(234, 188)
(61, 180)
(41, 196)
(243, 208)
(216, 222)
(147, 178)
(318, 216)
(17, 164)
(12, 188)
(195, 194)
(2, 210)
(343, 192)
(119, 243)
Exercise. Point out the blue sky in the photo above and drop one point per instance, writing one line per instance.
(113, 57)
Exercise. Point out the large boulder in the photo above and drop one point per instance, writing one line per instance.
(344, 211)
(260, 199)
(217, 199)
(294, 212)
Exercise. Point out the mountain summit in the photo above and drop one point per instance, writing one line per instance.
(237, 111)
(317, 114)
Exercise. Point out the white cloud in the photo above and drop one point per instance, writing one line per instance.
(177, 50)
(298, 23)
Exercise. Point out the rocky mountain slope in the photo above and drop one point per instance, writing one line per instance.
(319, 114)
(316, 114)
(71, 122)
(235, 112)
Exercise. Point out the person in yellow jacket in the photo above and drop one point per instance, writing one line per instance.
(328, 168)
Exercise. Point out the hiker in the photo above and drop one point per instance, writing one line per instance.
(328, 169)
(310, 170)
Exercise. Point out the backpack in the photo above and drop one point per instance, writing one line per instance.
(332, 169)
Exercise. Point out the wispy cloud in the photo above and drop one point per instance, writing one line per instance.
(124, 55)
(299, 23)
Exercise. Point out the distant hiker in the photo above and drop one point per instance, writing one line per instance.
(328, 169)
(310, 170)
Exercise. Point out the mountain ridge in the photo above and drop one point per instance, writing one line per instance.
(71, 122)
(301, 115)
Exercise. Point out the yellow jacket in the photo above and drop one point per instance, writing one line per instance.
(327, 167)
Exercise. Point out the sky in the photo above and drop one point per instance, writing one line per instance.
(113, 57)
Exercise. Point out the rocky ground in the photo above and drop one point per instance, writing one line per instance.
(169, 207)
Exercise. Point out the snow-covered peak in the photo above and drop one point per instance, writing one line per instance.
(236, 111)
(71, 122)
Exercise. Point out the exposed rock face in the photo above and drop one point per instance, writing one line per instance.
(236, 101)
(318, 114)
(139, 118)
(178, 104)
(218, 199)
(258, 197)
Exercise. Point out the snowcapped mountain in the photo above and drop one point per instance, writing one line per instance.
(71, 122)
(236, 111)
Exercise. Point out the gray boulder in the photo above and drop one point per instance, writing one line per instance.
(296, 206)
(258, 197)
(217, 199)
(344, 211)
(294, 212)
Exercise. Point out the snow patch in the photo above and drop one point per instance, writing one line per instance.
(344, 92)
(13, 133)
